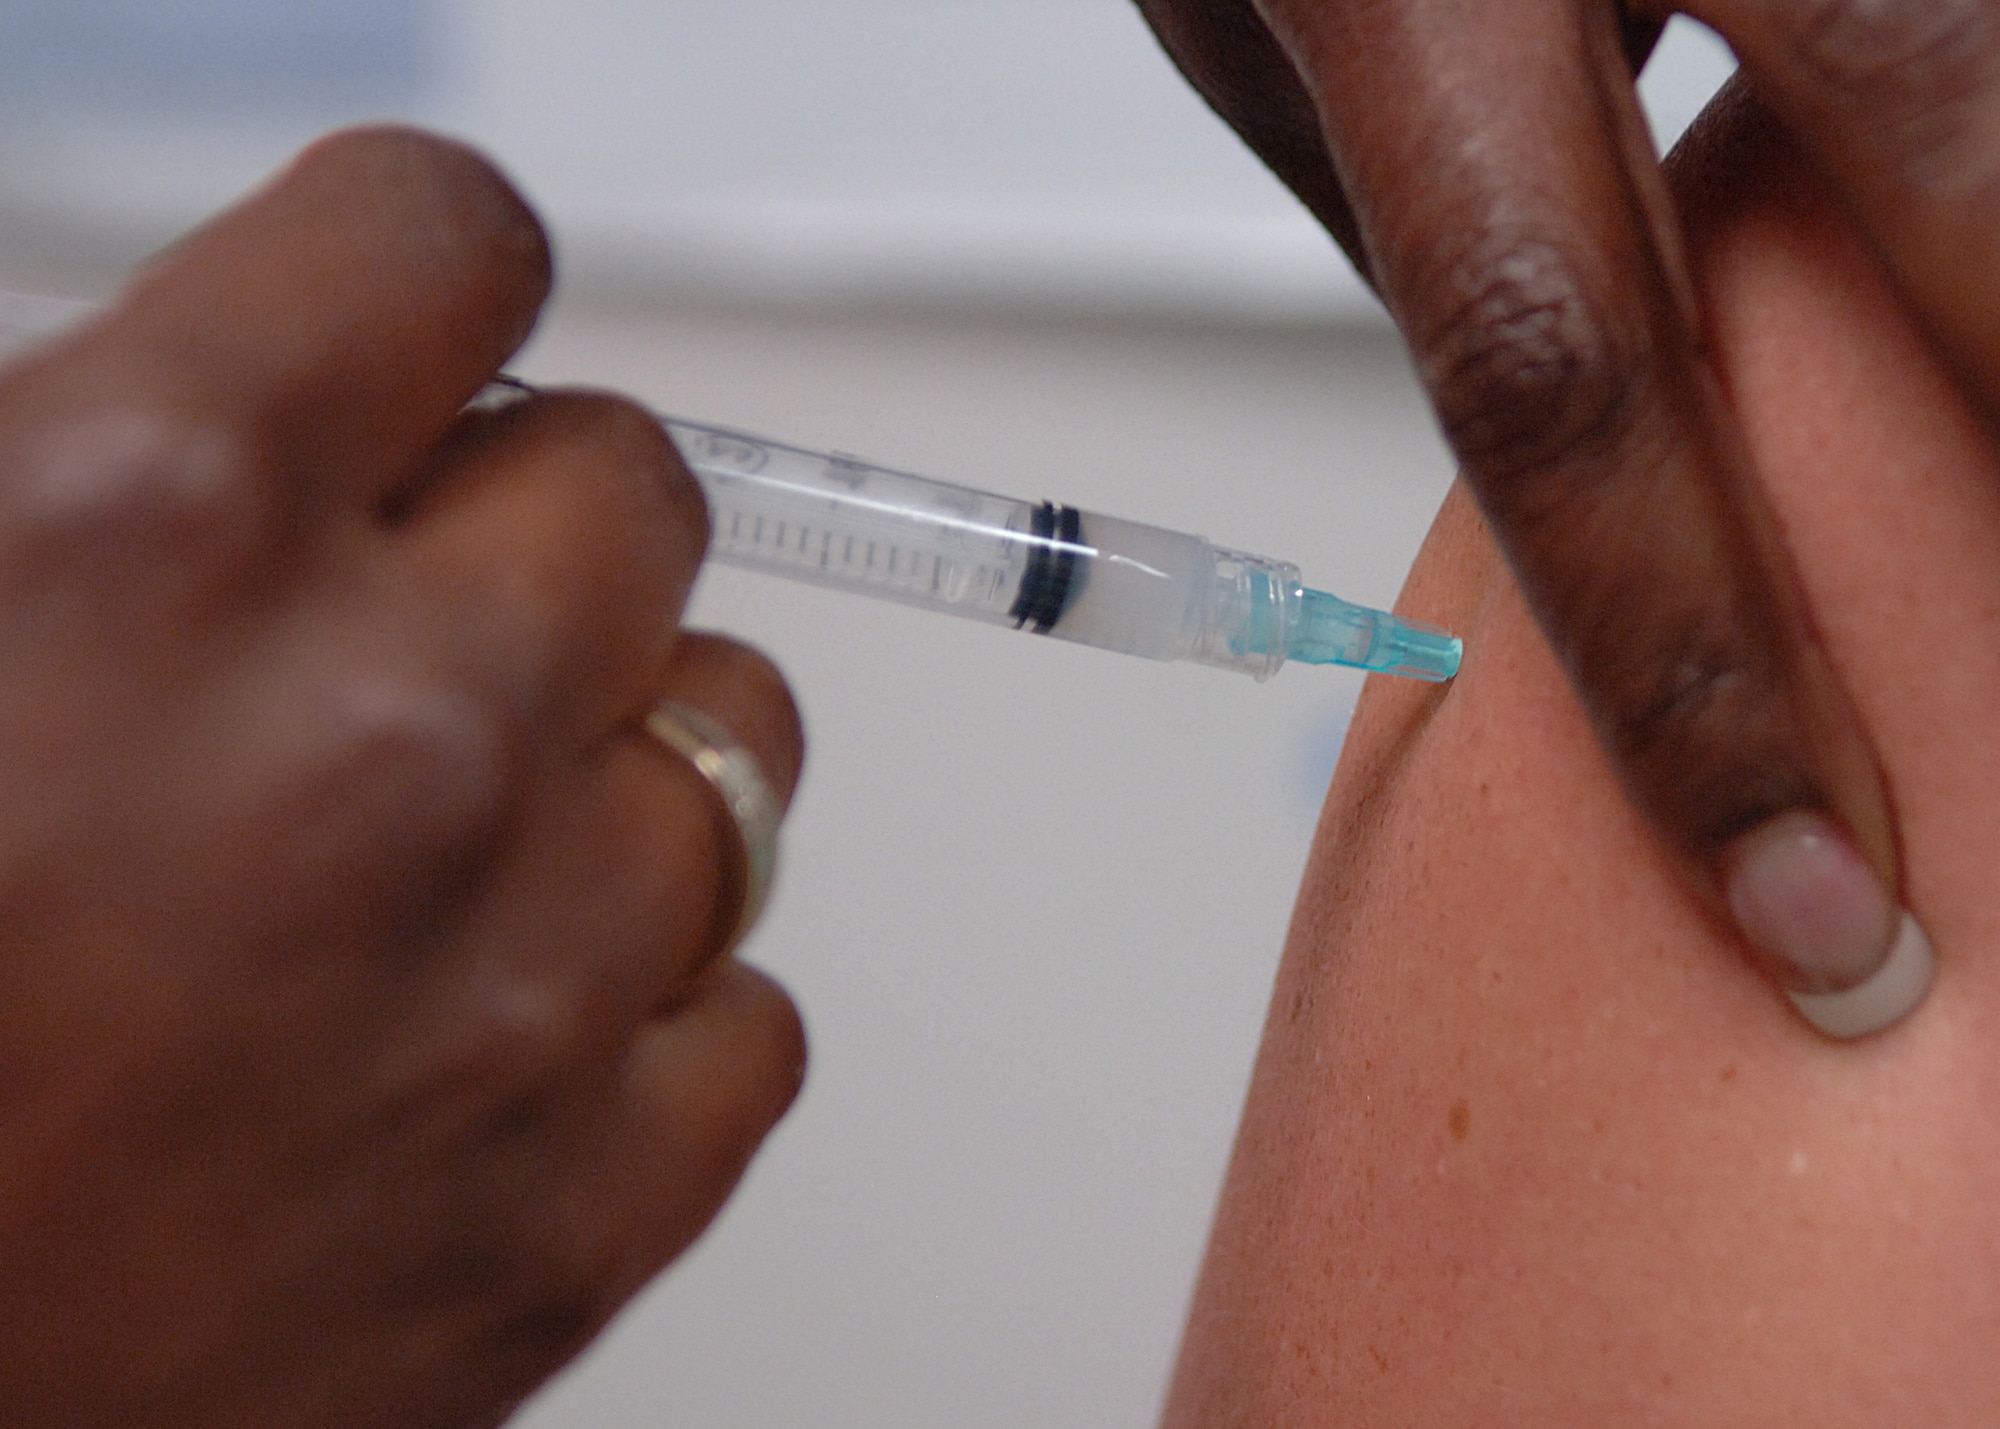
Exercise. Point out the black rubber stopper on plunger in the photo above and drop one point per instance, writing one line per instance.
(1047, 584)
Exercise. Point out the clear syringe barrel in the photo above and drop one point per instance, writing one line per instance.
(1055, 570)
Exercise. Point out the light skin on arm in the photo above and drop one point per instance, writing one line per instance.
(1524, 1146)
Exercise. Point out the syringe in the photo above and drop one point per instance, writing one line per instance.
(1051, 569)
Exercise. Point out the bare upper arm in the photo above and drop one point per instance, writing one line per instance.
(1529, 1142)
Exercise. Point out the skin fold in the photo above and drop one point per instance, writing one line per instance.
(1528, 1143)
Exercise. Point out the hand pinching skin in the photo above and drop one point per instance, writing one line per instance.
(1486, 164)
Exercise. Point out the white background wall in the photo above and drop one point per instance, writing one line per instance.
(1033, 894)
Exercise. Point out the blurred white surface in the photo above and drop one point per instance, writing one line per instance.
(1033, 894)
(954, 152)
(915, 150)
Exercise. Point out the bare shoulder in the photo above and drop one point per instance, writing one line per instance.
(1528, 1142)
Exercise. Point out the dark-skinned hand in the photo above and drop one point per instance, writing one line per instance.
(366, 1037)
(1486, 164)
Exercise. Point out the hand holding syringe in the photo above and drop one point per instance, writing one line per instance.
(366, 735)
(1055, 570)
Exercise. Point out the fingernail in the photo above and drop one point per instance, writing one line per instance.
(502, 392)
(1884, 999)
(1806, 899)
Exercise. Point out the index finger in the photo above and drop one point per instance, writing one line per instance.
(1506, 192)
(336, 321)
